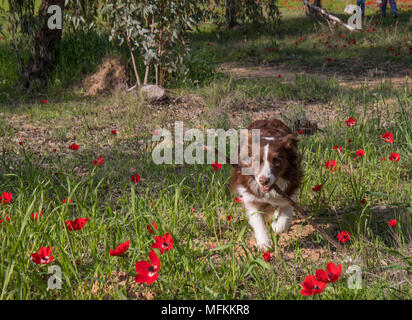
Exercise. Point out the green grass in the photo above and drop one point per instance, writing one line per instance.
(120, 211)
(214, 258)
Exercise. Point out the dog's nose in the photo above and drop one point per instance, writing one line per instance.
(263, 180)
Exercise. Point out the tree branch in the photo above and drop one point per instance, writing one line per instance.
(323, 13)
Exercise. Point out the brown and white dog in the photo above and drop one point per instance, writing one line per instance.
(280, 163)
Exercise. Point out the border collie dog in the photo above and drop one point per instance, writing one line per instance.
(280, 163)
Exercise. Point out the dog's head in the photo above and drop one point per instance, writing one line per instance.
(275, 159)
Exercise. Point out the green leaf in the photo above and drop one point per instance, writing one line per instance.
(223, 247)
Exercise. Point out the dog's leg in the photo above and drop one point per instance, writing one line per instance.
(283, 218)
(257, 221)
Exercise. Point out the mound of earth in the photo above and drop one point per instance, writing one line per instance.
(111, 75)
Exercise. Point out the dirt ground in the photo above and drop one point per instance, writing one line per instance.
(372, 79)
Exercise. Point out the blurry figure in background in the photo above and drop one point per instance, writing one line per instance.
(361, 3)
(393, 7)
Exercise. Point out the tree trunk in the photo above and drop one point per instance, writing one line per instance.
(230, 13)
(45, 45)
(319, 13)
(309, 10)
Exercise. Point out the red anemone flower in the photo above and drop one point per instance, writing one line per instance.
(7, 219)
(393, 222)
(229, 217)
(237, 200)
(338, 148)
(300, 131)
(43, 256)
(98, 162)
(331, 274)
(266, 256)
(76, 224)
(330, 164)
(312, 286)
(114, 132)
(135, 179)
(394, 156)
(388, 137)
(344, 236)
(360, 153)
(74, 147)
(147, 272)
(36, 216)
(350, 122)
(164, 243)
(6, 198)
(317, 188)
(65, 200)
(150, 229)
(121, 249)
(216, 166)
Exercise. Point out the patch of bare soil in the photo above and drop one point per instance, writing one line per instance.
(107, 288)
(373, 78)
(302, 231)
(318, 114)
(111, 75)
(299, 231)
(189, 108)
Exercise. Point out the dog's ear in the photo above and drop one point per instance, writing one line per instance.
(245, 150)
(290, 141)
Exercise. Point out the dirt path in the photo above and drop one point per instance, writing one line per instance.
(373, 79)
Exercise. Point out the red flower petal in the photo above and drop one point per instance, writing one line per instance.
(121, 249)
(393, 222)
(135, 179)
(360, 153)
(394, 157)
(164, 243)
(344, 236)
(350, 122)
(43, 256)
(74, 147)
(76, 224)
(6, 198)
(312, 286)
(150, 229)
(317, 188)
(266, 256)
(216, 166)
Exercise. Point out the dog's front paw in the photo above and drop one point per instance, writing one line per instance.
(264, 246)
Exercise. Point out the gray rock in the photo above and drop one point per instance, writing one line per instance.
(153, 92)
